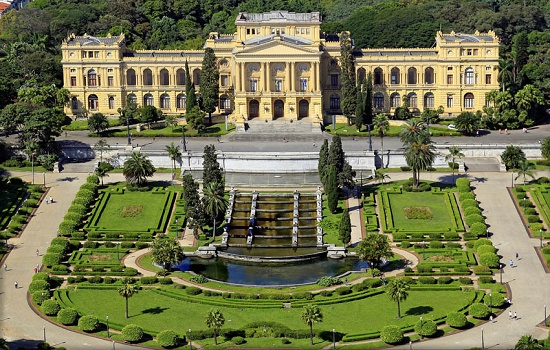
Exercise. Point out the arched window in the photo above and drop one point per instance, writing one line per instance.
(378, 76)
(429, 100)
(361, 75)
(181, 101)
(469, 100)
(92, 78)
(197, 76)
(164, 77)
(413, 100)
(378, 100)
(395, 76)
(334, 101)
(131, 77)
(411, 76)
(395, 100)
(164, 101)
(111, 102)
(74, 102)
(225, 102)
(147, 77)
(133, 98)
(429, 75)
(93, 102)
(469, 76)
(180, 77)
(148, 100)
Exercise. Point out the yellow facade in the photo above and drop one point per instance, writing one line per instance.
(280, 65)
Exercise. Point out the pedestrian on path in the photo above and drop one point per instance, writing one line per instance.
(5, 267)
(16, 285)
(51, 199)
(510, 314)
(47, 202)
(511, 263)
(517, 255)
(37, 252)
(35, 270)
(515, 315)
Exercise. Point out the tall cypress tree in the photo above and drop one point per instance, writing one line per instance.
(368, 112)
(331, 189)
(212, 172)
(191, 100)
(344, 229)
(347, 67)
(359, 107)
(210, 87)
(336, 154)
(323, 162)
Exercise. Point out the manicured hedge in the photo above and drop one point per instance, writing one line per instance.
(481, 241)
(168, 338)
(486, 249)
(489, 259)
(474, 218)
(50, 259)
(50, 307)
(426, 328)
(88, 323)
(495, 299)
(391, 334)
(479, 311)
(39, 296)
(456, 320)
(39, 285)
(132, 333)
(67, 316)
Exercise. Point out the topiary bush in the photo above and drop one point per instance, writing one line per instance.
(482, 270)
(472, 210)
(481, 241)
(50, 259)
(327, 281)
(343, 290)
(41, 276)
(436, 244)
(462, 181)
(485, 280)
(444, 280)
(39, 296)
(466, 195)
(168, 339)
(67, 316)
(391, 334)
(533, 219)
(479, 311)
(474, 218)
(39, 285)
(489, 259)
(494, 299)
(486, 249)
(465, 280)
(426, 328)
(426, 280)
(88, 323)
(456, 320)
(469, 203)
(50, 307)
(477, 228)
(193, 290)
(238, 340)
(132, 333)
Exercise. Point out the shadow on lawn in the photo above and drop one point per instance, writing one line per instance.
(154, 310)
(419, 310)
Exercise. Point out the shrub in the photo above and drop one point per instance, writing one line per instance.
(198, 279)
(88, 323)
(193, 290)
(167, 339)
(533, 219)
(238, 340)
(453, 245)
(93, 179)
(125, 245)
(474, 218)
(436, 244)
(462, 269)
(477, 228)
(95, 279)
(536, 227)
(302, 295)
(38, 286)
(327, 281)
(132, 333)
(343, 290)
(424, 268)
(462, 181)
(485, 280)
(50, 259)
(39, 296)
(531, 211)
(466, 195)
(426, 328)
(472, 210)
(426, 280)
(98, 268)
(165, 280)
(41, 276)
(405, 244)
(373, 282)
(90, 245)
(542, 180)
(489, 259)
(60, 269)
(444, 280)
(465, 280)
(109, 280)
(67, 316)
(149, 280)
(456, 319)
(482, 249)
(391, 334)
(326, 293)
(482, 270)
(481, 241)
(142, 245)
(479, 311)
(50, 307)
(405, 168)
(285, 341)
(469, 203)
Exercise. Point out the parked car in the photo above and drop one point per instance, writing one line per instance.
(451, 126)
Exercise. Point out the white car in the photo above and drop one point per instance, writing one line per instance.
(451, 126)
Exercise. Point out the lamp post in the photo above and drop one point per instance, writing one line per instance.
(128, 131)
(44, 332)
(487, 233)
(190, 346)
(490, 303)
(524, 203)
(482, 340)
(44, 178)
(370, 138)
(333, 338)
(410, 345)
(544, 315)
(540, 231)
(107, 318)
(421, 327)
(183, 138)
(423, 251)
(32, 166)
(501, 275)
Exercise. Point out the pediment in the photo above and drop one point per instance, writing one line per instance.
(277, 48)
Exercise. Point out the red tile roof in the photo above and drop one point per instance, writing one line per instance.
(3, 6)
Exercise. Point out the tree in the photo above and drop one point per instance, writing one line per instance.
(129, 112)
(513, 156)
(13, 117)
(467, 122)
(346, 178)
(454, 152)
(214, 202)
(191, 100)
(98, 123)
(344, 229)
(323, 164)
(397, 291)
(545, 148)
(149, 114)
(127, 290)
(171, 120)
(411, 129)
(380, 176)
(504, 68)
(359, 107)
(195, 118)
(347, 68)
(192, 204)
(368, 108)
(331, 189)
(102, 170)
(42, 126)
(101, 146)
(524, 169)
(215, 320)
(374, 249)
(381, 128)
(527, 342)
(211, 172)
(336, 155)
(210, 88)
(419, 155)
(166, 251)
(137, 169)
(173, 153)
(311, 314)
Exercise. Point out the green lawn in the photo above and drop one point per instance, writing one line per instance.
(441, 219)
(350, 130)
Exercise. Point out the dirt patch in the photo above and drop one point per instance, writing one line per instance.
(131, 211)
(418, 213)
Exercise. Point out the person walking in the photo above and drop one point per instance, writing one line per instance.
(517, 255)
(511, 263)
(37, 252)
(35, 270)
(51, 199)
(515, 315)
(5, 267)
(510, 314)
(16, 285)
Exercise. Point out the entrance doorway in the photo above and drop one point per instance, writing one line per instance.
(303, 109)
(279, 109)
(253, 109)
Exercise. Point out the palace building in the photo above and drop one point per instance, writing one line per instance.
(280, 65)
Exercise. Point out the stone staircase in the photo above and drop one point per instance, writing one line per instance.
(482, 164)
(258, 129)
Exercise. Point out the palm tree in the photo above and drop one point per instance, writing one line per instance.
(380, 176)
(137, 169)
(166, 252)
(397, 291)
(420, 155)
(127, 290)
(102, 170)
(504, 68)
(310, 315)
(215, 320)
(512, 156)
(524, 169)
(527, 342)
(381, 127)
(454, 152)
(545, 148)
(411, 130)
(101, 146)
(214, 202)
(174, 153)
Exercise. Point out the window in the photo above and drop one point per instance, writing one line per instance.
(395, 76)
(93, 102)
(197, 76)
(334, 101)
(224, 80)
(378, 100)
(450, 68)
(488, 79)
(131, 77)
(225, 102)
(253, 85)
(278, 85)
(111, 102)
(164, 77)
(429, 75)
(413, 100)
(92, 78)
(96, 54)
(475, 52)
(488, 102)
(74, 102)
(395, 100)
(164, 101)
(180, 77)
(147, 77)
(110, 81)
(334, 80)
(148, 100)
(378, 76)
(429, 100)
(449, 79)
(132, 98)
(180, 101)
(90, 54)
(73, 81)
(449, 101)
(411, 76)
(110, 70)
(469, 76)
(303, 84)
(361, 74)
(469, 100)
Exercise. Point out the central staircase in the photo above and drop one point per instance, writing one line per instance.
(258, 129)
